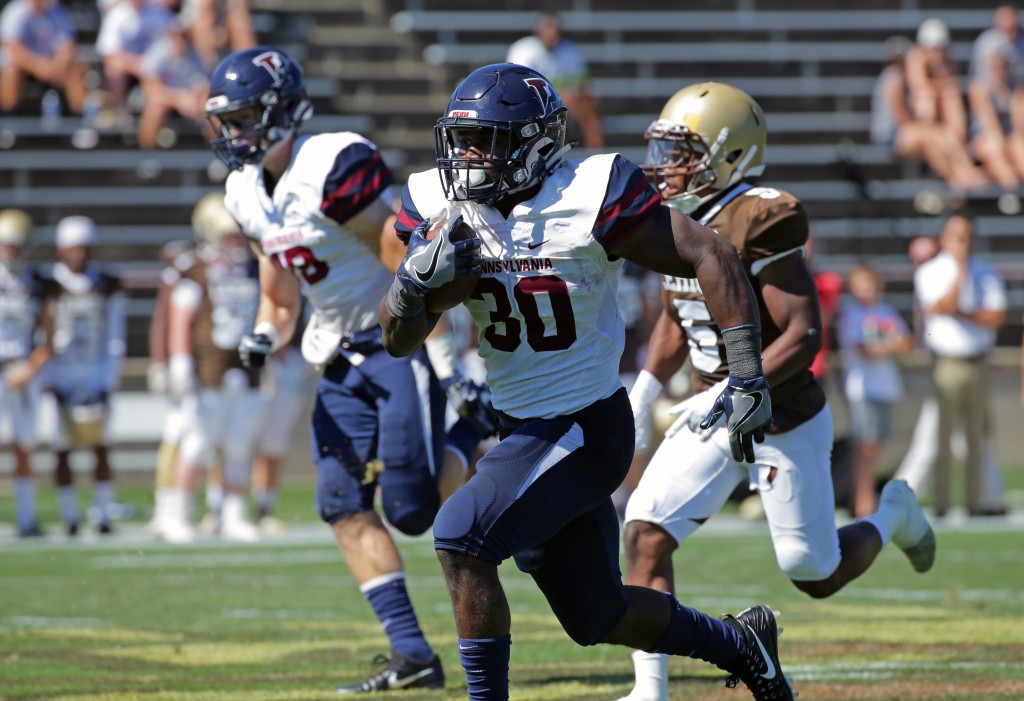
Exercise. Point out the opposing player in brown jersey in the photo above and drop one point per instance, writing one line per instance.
(705, 153)
(211, 307)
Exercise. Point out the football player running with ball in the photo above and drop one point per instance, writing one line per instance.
(552, 234)
(318, 209)
(704, 154)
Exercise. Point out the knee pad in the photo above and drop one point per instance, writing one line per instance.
(801, 564)
(410, 499)
(339, 493)
(411, 519)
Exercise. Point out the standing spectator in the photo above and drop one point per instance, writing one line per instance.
(38, 41)
(217, 25)
(996, 99)
(895, 124)
(964, 301)
(562, 62)
(173, 78)
(87, 308)
(918, 465)
(127, 30)
(20, 359)
(871, 332)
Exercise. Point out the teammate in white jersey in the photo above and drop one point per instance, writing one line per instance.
(705, 153)
(318, 209)
(20, 359)
(552, 235)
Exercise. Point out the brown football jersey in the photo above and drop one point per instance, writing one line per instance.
(226, 313)
(763, 224)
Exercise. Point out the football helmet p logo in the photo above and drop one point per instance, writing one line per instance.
(541, 86)
(272, 63)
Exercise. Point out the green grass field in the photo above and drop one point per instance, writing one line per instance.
(126, 618)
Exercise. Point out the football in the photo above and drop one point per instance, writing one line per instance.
(457, 291)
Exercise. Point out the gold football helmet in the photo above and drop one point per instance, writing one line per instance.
(708, 137)
(15, 227)
(211, 220)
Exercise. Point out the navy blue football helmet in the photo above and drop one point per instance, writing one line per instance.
(503, 132)
(257, 97)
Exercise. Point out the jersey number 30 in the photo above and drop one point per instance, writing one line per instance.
(525, 292)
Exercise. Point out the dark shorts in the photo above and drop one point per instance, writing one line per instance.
(543, 496)
(378, 420)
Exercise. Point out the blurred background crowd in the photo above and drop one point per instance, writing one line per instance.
(899, 125)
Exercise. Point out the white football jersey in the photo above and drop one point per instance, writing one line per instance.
(550, 330)
(301, 227)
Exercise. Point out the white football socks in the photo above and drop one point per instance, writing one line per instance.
(25, 501)
(651, 677)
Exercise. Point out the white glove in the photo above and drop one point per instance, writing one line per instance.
(180, 375)
(644, 391)
(690, 412)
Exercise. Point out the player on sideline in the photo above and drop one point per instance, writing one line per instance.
(318, 208)
(704, 154)
(87, 308)
(552, 236)
(20, 359)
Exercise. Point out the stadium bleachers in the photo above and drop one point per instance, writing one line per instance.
(386, 68)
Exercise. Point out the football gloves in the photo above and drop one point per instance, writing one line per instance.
(254, 349)
(430, 264)
(472, 402)
(747, 407)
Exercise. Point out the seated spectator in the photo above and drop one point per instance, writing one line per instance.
(562, 62)
(895, 124)
(127, 30)
(37, 41)
(932, 79)
(871, 332)
(217, 26)
(996, 99)
(173, 78)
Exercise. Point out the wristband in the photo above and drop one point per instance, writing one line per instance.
(270, 331)
(646, 388)
(743, 350)
(403, 304)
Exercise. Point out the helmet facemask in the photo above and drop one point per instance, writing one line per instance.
(513, 155)
(673, 153)
(248, 128)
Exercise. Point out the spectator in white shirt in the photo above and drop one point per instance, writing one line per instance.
(562, 62)
(963, 300)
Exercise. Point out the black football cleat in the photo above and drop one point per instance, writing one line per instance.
(400, 673)
(758, 664)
